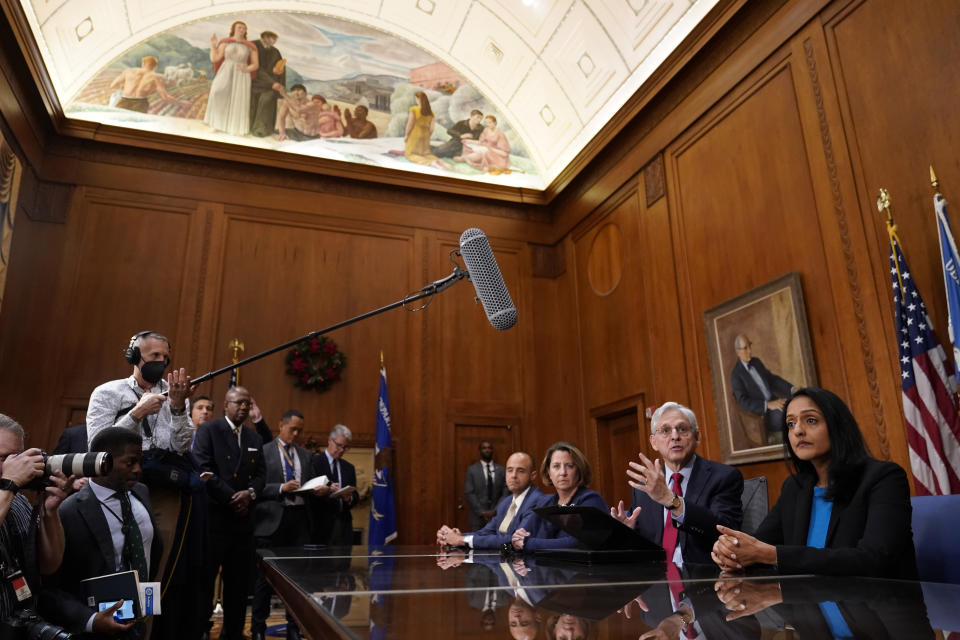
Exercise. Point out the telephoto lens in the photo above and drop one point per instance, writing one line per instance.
(81, 465)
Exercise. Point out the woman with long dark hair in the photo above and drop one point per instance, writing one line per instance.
(416, 138)
(841, 512)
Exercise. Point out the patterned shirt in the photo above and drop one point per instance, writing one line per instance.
(110, 406)
(20, 547)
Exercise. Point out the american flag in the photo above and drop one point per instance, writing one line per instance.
(933, 433)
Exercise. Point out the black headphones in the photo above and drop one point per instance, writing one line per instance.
(132, 352)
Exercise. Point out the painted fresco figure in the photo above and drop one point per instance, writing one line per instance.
(234, 60)
(137, 83)
(417, 137)
(267, 85)
(357, 125)
(469, 129)
(297, 115)
(492, 151)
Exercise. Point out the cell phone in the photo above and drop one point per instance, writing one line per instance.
(125, 612)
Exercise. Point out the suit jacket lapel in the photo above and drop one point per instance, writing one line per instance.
(306, 471)
(802, 513)
(699, 476)
(273, 461)
(92, 513)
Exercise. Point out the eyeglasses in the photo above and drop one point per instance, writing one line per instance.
(240, 403)
(340, 445)
(683, 429)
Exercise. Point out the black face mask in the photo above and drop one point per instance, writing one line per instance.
(152, 372)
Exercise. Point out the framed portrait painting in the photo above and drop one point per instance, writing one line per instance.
(759, 350)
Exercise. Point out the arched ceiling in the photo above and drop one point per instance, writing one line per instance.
(553, 71)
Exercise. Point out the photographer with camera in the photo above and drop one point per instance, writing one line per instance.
(109, 527)
(31, 537)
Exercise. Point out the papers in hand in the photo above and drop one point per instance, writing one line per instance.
(343, 491)
(313, 483)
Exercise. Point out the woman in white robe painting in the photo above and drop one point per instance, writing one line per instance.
(235, 61)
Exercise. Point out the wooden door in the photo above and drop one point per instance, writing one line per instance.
(468, 436)
(620, 436)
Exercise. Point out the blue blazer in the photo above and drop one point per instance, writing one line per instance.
(543, 535)
(712, 498)
(489, 537)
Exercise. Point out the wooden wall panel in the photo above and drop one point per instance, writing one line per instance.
(282, 280)
(610, 294)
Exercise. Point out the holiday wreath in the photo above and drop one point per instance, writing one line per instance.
(315, 363)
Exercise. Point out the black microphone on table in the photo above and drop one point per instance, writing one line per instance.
(487, 279)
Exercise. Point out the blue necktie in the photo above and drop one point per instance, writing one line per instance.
(287, 463)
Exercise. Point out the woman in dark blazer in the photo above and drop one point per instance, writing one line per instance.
(566, 469)
(841, 512)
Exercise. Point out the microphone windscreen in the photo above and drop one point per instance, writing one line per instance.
(487, 279)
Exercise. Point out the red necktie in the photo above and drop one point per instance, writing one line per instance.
(669, 543)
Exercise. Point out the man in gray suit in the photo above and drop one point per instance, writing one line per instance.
(281, 517)
(484, 486)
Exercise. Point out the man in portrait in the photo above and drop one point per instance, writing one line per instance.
(756, 389)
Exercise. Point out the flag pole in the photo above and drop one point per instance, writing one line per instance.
(883, 206)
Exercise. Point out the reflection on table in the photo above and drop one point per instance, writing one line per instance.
(413, 592)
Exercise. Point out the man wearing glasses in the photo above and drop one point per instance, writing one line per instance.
(334, 523)
(230, 458)
(679, 501)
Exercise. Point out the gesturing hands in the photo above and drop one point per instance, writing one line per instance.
(629, 519)
(648, 476)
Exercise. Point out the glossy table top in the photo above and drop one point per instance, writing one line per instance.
(415, 592)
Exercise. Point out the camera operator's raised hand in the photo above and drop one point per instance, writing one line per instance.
(104, 622)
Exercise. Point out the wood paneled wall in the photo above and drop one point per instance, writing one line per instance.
(770, 163)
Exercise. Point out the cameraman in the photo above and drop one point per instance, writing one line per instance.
(31, 542)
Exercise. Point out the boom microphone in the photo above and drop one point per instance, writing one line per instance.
(487, 279)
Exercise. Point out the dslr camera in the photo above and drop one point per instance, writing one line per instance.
(26, 624)
(92, 464)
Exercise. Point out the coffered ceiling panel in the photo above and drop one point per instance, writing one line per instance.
(551, 73)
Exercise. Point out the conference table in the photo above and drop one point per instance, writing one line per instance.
(419, 592)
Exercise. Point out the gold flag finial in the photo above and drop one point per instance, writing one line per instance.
(933, 180)
(381, 358)
(237, 347)
(883, 204)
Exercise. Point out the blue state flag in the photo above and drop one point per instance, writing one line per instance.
(383, 516)
(951, 275)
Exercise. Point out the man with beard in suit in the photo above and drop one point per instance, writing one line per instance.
(522, 499)
(230, 458)
(333, 521)
(281, 517)
(108, 527)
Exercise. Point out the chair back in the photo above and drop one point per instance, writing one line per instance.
(936, 521)
(755, 503)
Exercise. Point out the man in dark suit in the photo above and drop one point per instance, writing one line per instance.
(756, 389)
(483, 487)
(281, 517)
(72, 440)
(230, 458)
(333, 523)
(678, 505)
(98, 535)
(522, 499)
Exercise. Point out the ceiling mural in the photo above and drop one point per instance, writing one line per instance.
(505, 92)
